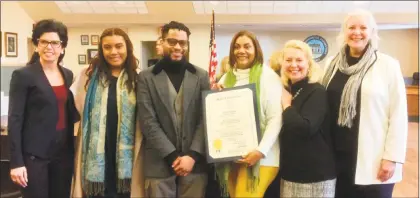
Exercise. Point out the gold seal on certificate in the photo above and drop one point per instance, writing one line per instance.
(231, 123)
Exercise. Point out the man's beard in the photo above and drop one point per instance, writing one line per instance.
(167, 57)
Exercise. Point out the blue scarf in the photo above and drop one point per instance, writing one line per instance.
(94, 132)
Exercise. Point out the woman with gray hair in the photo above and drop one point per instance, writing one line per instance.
(367, 100)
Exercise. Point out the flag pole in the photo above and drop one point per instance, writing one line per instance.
(213, 54)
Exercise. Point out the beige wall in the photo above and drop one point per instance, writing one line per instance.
(404, 46)
(14, 19)
(400, 44)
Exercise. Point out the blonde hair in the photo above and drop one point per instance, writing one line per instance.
(276, 60)
(314, 71)
(371, 23)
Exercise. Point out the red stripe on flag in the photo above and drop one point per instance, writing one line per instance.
(213, 54)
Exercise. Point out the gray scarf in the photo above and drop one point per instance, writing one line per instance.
(347, 110)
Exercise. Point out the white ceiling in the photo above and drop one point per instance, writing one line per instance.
(103, 7)
(302, 7)
(252, 14)
(306, 27)
(244, 7)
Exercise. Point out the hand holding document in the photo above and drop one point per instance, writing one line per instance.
(231, 123)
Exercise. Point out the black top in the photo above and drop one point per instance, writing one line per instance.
(345, 139)
(33, 114)
(305, 140)
(111, 138)
(175, 71)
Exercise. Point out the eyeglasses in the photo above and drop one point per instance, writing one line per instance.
(172, 42)
(45, 43)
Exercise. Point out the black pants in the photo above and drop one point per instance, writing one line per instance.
(49, 178)
(273, 190)
(108, 195)
(213, 187)
(345, 188)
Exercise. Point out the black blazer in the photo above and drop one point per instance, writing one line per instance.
(33, 113)
(306, 151)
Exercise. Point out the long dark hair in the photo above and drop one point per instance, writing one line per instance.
(259, 58)
(130, 64)
(44, 26)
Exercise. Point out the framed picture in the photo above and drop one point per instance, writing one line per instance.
(82, 59)
(84, 39)
(94, 39)
(91, 53)
(11, 44)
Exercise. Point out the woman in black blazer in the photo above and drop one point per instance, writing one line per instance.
(306, 157)
(41, 117)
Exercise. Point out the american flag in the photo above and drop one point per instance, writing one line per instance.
(213, 54)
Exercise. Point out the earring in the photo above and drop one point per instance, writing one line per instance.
(36, 50)
(62, 52)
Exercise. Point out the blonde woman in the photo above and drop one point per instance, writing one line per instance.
(306, 156)
(368, 103)
(276, 60)
(258, 168)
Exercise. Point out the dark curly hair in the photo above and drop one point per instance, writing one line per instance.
(178, 26)
(174, 25)
(45, 26)
(130, 64)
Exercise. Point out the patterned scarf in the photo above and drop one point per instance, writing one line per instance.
(94, 130)
(223, 169)
(347, 110)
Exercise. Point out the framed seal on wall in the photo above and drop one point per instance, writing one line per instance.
(319, 47)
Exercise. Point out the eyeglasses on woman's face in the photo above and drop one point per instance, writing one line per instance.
(45, 43)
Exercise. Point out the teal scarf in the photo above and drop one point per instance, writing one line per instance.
(94, 130)
(223, 169)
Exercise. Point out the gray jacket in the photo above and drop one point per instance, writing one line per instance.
(158, 120)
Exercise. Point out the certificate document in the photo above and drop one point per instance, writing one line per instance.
(231, 123)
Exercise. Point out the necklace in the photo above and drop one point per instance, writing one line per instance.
(297, 93)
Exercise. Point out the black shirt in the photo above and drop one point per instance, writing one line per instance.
(345, 139)
(175, 71)
(111, 139)
(305, 141)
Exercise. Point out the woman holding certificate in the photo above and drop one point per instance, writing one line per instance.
(252, 174)
(306, 159)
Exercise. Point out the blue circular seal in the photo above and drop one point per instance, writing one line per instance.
(319, 47)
